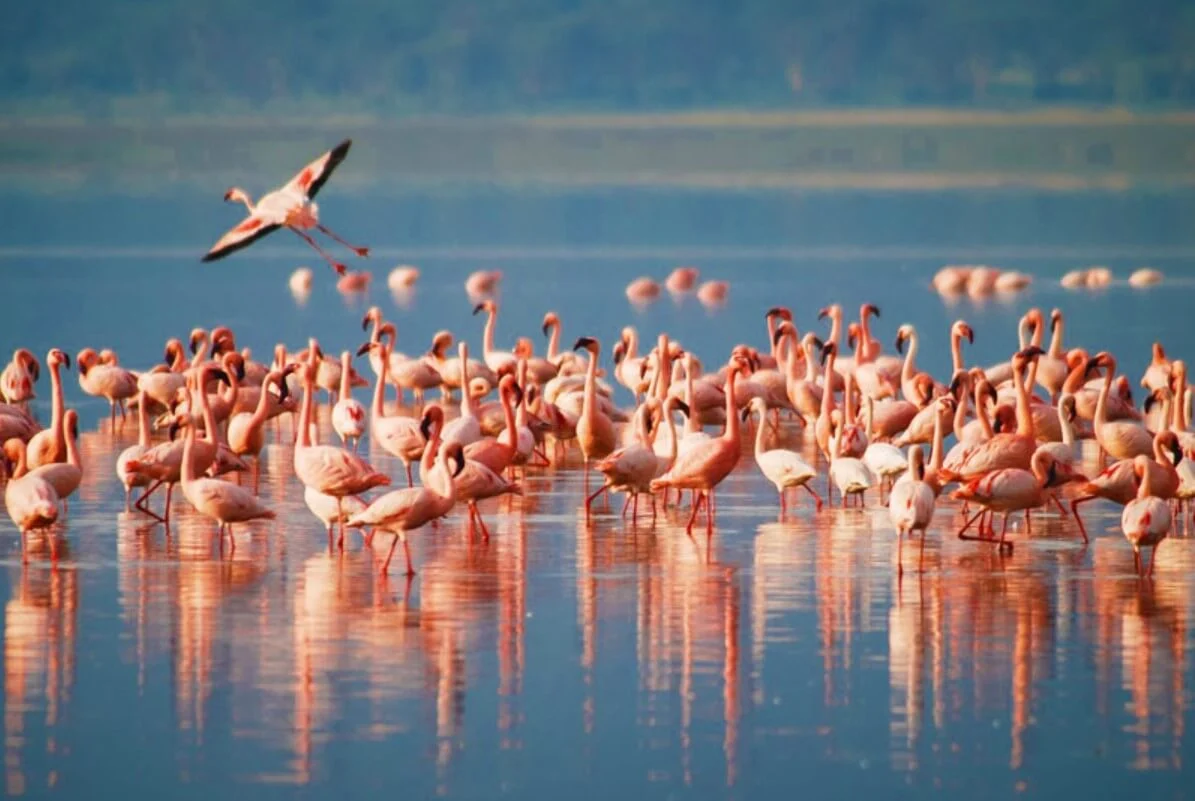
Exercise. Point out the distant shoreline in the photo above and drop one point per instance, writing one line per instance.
(1060, 149)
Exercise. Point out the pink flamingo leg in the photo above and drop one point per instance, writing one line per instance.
(693, 515)
(337, 266)
(816, 497)
(1075, 512)
(360, 251)
(406, 549)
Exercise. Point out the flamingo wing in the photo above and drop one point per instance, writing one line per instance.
(248, 231)
(312, 177)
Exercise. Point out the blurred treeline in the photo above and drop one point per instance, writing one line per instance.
(396, 57)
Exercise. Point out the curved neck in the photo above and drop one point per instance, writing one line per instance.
(142, 420)
(433, 450)
(188, 466)
(22, 466)
(72, 451)
(263, 401)
(58, 403)
(1146, 488)
(1064, 423)
(305, 413)
(468, 409)
(1101, 403)
(379, 389)
(936, 454)
(632, 344)
(448, 497)
(346, 367)
(759, 433)
(1056, 339)
(1024, 414)
(732, 418)
(909, 368)
(981, 414)
(488, 337)
(956, 350)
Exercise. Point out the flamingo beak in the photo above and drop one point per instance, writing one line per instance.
(425, 427)
(584, 342)
(823, 313)
(1175, 450)
(518, 394)
(172, 431)
(684, 407)
(1031, 352)
(873, 309)
(778, 335)
(546, 327)
(364, 349)
(228, 196)
(827, 349)
(66, 358)
(221, 376)
(365, 321)
(480, 307)
(900, 341)
(969, 333)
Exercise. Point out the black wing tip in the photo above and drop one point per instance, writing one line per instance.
(211, 256)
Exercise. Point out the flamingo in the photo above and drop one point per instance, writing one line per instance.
(784, 468)
(404, 437)
(704, 466)
(495, 359)
(631, 468)
(246, 430)
(292, 206)
(595, 431)
(642, 291)
(221, 501)
(476, 482)
(332, 471)
(30, 500)
(18, 378)
(348, 415)
(1014, 489)
(130, 478)
(466, 428)
(1146, 519)
(1157, 374)
(105, 381)
(401, 511)
(1120, 439)
(1115, 483)
(681, 280)
(332, 511)
(848, 473)
(911, 506)
(565, 361)
(49, 445)
(65, 477)
(493, 452)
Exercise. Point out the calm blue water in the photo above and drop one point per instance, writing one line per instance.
(597, 660)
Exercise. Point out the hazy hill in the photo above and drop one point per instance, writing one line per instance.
(480, 56)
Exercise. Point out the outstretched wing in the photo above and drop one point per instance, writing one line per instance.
(312, 177)
(251, 229)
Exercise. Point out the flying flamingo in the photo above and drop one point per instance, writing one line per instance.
(291, 207)
(1146, 519)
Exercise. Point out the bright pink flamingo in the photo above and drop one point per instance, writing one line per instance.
(704, 466)
(1146, 519)
(290, 207)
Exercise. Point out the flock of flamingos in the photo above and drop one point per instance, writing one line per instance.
(1017, 427)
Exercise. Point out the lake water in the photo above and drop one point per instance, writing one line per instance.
(597, 660)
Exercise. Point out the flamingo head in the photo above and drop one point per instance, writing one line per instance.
(867, 310)
(441, 342)
(782, 312)
(457, 454)
(960, 383)
(1055, 319)
(236, 195)
(833, 311)
(86, 359)
(56, 358)
(1004, 419)
(905, 332)
(235, 363)
(486, 305)
(1069, 407)
(785, 328)
(829, 350)
(852, 334)
(373, 315)
(1030, 353)
(962, 329)
(619, 351)
(551, 320)
(1169, 441)
(434, 415)
(197, 340)
(1178, 375)
(29, 361)
(588, 343)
